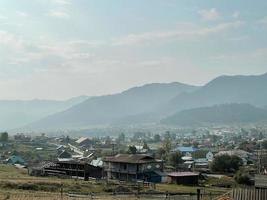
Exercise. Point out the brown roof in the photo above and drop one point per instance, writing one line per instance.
(131, 158)
(180, 174)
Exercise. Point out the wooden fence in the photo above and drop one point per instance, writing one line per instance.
(249, 194)
(245, 194)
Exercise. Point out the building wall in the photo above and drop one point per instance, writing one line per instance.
(184, 180)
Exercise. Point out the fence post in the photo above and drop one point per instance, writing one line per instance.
(198, 194)
(61, 191)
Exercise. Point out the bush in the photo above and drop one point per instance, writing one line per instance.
(243, 178)
(226, 163)
(225, 182)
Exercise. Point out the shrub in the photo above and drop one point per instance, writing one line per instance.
(241, 177)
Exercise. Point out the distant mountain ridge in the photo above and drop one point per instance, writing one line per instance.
(218, 114)
(222, 90)
(153, 102)
(16, 113)
(110, 109)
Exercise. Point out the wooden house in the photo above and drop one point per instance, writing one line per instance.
(68, 169)
(133, 167)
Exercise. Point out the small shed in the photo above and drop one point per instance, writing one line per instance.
(183, 178)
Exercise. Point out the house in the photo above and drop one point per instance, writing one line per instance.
(68, 169)
(201, 165)
(84, 142)
(15, 160)
(187, 165)
(133, 167)
(183, 178)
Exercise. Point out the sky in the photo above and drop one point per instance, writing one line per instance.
(57, 49)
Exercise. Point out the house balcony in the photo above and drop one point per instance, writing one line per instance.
(123, 171)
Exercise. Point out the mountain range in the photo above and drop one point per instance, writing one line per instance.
(17, 113)
(112, 109)
(222, 90)
(218, 114)
(167, 102)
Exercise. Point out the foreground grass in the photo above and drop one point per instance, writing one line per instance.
(18, 185)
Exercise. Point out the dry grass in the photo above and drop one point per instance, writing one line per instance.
(16, 184)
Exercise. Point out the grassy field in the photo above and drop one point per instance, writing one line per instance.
(17, 184)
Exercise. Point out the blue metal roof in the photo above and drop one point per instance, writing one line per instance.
(186, 149)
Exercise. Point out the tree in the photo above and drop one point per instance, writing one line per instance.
(226, 163)
(108, 140)
(195, 144)
(242, 177)
(138, 136)
(4, 137)
(157, 138)
(247, 146)
(145, 146)
(121, 138)
(132, 149)
(175, 158)
(167, 135)
(67, 139)
(161, 153)
(215, 138)
(167, 145)
(261, 136)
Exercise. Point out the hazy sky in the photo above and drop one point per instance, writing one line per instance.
(55, 49)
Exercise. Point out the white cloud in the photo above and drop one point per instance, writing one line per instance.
(236, 15)
(58, 14)
(2, 17)
(87, 44)
(253, 57)
(177, 34)
(10, 41)
(210, 15)
(60, 9)
(22, 14)
(61, 2)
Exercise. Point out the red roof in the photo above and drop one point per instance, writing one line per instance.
(180, 174)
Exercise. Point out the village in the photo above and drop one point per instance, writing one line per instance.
(226, 158)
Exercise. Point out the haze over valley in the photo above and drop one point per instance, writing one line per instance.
(174, 104)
